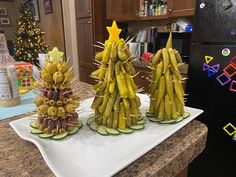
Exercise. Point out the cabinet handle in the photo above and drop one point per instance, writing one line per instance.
(89, 22)
(170, 10)
(89, 11)
(147, 78)
(142, 77)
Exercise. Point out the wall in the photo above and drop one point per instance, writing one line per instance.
(70, 33)
(52, 23)
(12, 8)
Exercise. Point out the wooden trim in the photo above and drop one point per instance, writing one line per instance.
(182, 13)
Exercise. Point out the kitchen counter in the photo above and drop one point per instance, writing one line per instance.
(169, 159)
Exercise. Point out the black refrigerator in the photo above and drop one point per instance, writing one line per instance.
(212, 85)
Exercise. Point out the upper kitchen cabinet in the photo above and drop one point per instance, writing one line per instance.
(122, 10)
(125, 10)
(181, 8)
(83, 8)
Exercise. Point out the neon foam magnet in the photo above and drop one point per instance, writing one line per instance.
(229, 125)
(233, 86)
(230, 70)
(205, 67)
(233, 61)
(211, 72)
(216, 67)
(223, 79)
(208, 59)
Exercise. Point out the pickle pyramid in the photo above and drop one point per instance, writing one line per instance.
(166, 91)
(56, 104)
(116, 104)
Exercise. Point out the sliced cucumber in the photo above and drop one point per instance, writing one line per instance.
(94, 126)
(102, 130)
(154, 119)
(34, 124)
(44, 136)
(112, 131)
(80, 124)
(137, 127)
(179, 119)
(36, 131)
(90, 120)
(186, 114)
(168, 121)
(125, 130)
(73, 131)
(150, 114)
(60, 136)
(141, 122)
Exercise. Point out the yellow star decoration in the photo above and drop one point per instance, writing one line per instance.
(114, 32)
(55, 54)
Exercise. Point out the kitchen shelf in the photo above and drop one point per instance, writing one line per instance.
(154, 17)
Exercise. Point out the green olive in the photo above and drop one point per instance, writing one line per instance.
(52, 111)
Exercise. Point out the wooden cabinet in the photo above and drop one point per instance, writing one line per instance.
(180, 8)
(142, 80)
(85, 41)
(122, 9)
(83, 8)
(85, 74)
(91, 26)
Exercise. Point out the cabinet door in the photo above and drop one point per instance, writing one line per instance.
(85, 75)
(85, 42)
(83, 8)
(122, 9)
(180, 8)
(142, 80)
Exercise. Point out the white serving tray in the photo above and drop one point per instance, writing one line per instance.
(88, 154)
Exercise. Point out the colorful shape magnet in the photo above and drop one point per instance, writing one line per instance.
(233, 86)
(229, 132)
(211, 72)
(208, 59)
(225, 52)
(205, 67)
(233, 61)
(230, 70)
(223, 79)
(216, 67)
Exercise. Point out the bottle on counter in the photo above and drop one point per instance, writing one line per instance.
(9, 94)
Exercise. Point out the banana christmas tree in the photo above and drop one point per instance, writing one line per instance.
(116, 104)
(166, 91)
(56, 104)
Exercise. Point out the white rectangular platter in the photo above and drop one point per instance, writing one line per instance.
(89, 154)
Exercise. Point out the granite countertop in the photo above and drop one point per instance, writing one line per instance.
(22, 158)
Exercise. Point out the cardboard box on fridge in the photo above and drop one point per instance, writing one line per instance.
(24, 75)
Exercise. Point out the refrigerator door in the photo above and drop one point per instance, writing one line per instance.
(212, 87)
(215, 21)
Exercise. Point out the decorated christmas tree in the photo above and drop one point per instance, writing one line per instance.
(166, 90)
(57, 100)
(116, 104)
(29, 37)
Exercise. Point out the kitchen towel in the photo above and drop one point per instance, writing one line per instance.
(26, 106)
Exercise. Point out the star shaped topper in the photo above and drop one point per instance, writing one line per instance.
(114, 32)
(55, 54)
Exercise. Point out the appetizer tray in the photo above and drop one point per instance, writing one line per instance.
(89, 154)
